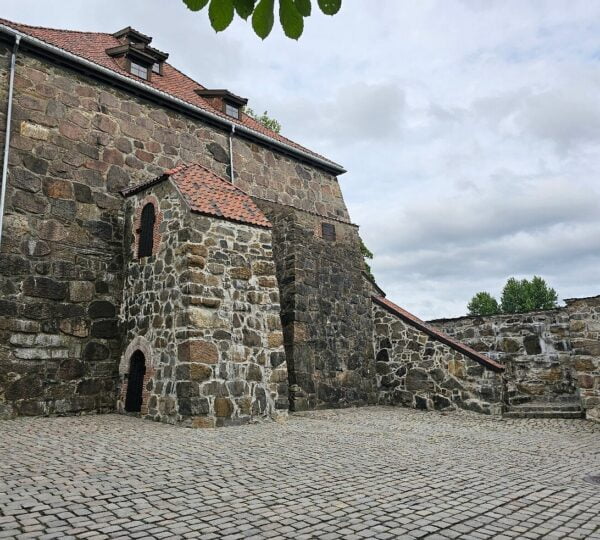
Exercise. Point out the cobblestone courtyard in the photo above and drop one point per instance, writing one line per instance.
(358, 473)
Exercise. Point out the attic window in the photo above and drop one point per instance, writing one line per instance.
(232, 110)
(138, 70)
(328, 231)
(157, 68)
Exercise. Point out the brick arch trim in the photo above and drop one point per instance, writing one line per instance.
(139, 343)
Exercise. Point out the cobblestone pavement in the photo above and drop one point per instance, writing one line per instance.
(360, 473)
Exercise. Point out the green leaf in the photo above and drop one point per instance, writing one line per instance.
(195, 5)
(304, 7)
(220, 13)
(244, 8)
(263, 18)
(330, 7)
(291, 20)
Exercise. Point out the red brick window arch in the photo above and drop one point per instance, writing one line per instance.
(146, 226)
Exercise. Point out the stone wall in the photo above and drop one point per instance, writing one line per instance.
(416, 370)
(549, 355)
(76, 142)
(326, 311)
(207, 306)
(584, 328)
(61, 258)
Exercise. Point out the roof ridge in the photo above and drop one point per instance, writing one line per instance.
(229, 183)
(205, 192)
(35, 27)
(185, 75)
(172, 88)
(257, 124)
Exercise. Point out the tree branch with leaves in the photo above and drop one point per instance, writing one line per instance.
(264, 118)
(262, 13)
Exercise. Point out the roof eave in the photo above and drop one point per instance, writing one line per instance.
(132, 190)
(47, 49)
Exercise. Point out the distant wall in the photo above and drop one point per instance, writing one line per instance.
(549, 355)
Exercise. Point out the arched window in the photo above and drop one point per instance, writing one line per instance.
(146, 236)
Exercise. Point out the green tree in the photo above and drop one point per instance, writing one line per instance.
(539, 295)
(264, 119)
(513, 296)
(483, 303)
(291, 13)
(367, 254)
(523, 295)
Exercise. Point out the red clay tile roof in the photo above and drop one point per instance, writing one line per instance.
(436, 334)
(209, 194)
(92, 46)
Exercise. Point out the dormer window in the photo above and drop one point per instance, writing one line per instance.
(134, 53)
(223, 100)
(232, 110)
(138, 70)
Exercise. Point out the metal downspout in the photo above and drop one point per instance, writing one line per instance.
(231, 134)
(13, 61)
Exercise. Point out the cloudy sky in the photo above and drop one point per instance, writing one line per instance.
(470, 128)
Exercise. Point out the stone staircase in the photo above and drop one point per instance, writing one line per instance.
(545, 409)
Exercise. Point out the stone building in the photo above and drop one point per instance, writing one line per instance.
(200, 305)
(95, 114)
(163, 253)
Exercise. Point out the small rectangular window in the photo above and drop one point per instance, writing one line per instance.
(328, 231)
(156, 68)
(139, 70)
(232, 110)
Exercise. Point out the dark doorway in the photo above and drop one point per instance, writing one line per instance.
(135, 382)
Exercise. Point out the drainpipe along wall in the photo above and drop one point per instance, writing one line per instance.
(231, 134)
(13, 61)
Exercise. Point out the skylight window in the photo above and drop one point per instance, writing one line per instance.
(232, 110)
(138, 70)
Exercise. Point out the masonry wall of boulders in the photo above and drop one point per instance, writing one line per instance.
(549, 355)
(76, 141)
(326, 311)
(416, 370)
(207, 303)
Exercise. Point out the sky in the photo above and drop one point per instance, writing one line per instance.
(470, 129)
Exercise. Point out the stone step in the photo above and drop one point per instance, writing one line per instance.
(548, 413)
(536, 406)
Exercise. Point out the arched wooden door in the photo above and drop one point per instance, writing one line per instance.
(135, 382)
